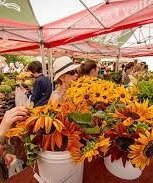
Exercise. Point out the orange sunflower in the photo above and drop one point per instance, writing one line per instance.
(142, 151)
(135, 112)
(44, 118)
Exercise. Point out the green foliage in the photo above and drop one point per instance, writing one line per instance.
(11, 83)
(116, 77)
(84, 120)
(94, 130)
(1, 77)
(145, 91)
(139, 126)
(32, 149)
(81, 118)
(90, 145)
(22, 59)
(5, 89)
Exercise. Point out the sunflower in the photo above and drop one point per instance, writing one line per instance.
(95, 147)
(133, 90)
(51, 140)
(142, 151)
(43, 118)
(122, 94)
(90, 90)
(74, 145)
(68, 138)
(16, 132)
(120, 141)
(135, 112)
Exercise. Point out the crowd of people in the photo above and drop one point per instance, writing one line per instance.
(65, 71)
(13, 67)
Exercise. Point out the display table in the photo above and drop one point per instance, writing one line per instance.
(94, 172)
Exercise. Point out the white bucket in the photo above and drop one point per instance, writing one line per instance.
(58, 167)
(116, 168)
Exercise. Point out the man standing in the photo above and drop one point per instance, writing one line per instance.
(42, 87)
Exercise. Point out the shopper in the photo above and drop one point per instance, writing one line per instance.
(42, 87)
(89, 68)
(64, 73)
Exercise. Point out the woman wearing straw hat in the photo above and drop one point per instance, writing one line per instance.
(64, 73)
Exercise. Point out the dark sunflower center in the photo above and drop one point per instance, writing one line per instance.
(97, 94)
(131, 98)
(86, 97)
(79, 86)
(122, 96)
(148, 151)
(124, 142)
(100, 106)
(133, 115)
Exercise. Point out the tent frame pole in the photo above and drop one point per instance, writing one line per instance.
(42, 50)
(50, 66)
(117, 60)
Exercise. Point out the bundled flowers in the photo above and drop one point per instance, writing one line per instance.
(131, 138)
(96, 118)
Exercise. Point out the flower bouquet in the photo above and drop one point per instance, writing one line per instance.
(44, 132)
(116, 115)
(87, 124)
(131, 140)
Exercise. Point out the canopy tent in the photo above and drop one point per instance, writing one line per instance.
(20, 20)
(134, 42)
(77, 49)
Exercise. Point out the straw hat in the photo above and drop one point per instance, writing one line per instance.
(63, 65)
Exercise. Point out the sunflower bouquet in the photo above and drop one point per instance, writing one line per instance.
(88, 103)
(131, 138)
(91, 91)
(96, 118)
(49, 128)
(45, 129)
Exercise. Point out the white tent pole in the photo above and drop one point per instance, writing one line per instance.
(42, 51)
(117, 60)
(50, 65)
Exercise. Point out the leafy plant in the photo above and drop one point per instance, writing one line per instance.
(116, 77)
(145, 91)
(31, 148)
(22, 59)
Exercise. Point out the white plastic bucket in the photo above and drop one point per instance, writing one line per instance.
(58, 167)
(116, 168)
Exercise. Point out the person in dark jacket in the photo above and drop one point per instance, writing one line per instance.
(42, 87)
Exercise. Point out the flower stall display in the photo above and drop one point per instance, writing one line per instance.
(25, 79)
(96, 118)
(7, 87)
